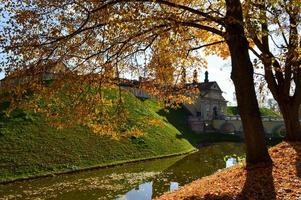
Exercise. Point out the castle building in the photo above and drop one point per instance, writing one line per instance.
(50, 71)
(210, 103)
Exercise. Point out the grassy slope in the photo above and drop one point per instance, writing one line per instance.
(232, 110)
(30, 147)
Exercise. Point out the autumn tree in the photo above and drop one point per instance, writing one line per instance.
(88, 35)
(274, 27)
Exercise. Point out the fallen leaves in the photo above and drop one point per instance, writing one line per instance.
(282, 180)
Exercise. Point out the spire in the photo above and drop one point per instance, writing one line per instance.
(206, 77)
(195, 77)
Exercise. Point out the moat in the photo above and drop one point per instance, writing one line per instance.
(135, 181)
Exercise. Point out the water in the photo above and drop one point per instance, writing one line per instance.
(136, 181)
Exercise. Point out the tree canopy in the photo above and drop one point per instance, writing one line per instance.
(128, 35)
(155, 39)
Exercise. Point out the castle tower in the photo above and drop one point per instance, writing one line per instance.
(206, 77)
(195, 77)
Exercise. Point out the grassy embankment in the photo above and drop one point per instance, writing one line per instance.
(30, 147)
(233, 110)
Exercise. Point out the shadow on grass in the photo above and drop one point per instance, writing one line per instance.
(178, 118)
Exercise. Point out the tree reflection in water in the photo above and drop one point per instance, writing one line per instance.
(136, 181)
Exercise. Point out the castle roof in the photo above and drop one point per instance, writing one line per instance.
(205, 86)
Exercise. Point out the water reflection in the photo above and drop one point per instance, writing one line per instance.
(137, 181)
(230, 162)
(173, 186)
(143, 192)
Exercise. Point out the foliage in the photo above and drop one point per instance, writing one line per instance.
(69, 103)
(152, 39)
(155, 40)
(274, 27)
(31, 147)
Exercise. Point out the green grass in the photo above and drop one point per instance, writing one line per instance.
(233, 110)
(31, 147)
(268, 112)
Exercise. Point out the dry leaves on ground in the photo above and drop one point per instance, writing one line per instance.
(282, 180)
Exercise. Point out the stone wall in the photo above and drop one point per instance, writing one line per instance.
(271, 128)
(196, 124)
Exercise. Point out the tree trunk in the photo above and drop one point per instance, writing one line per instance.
(290, 113)
(242, 76)
(289, 106)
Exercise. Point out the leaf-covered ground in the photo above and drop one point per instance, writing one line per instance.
(282, 180)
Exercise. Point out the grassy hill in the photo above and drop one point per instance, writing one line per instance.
(233, 110)
(31, 147)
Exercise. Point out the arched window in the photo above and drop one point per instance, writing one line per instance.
(215, 113)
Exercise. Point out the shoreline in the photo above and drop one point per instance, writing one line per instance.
(95, 167)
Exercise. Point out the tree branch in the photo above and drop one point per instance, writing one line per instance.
(202, 27)
(217, 20)
(204, 45)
